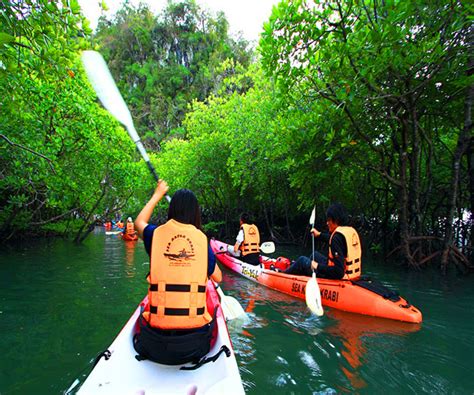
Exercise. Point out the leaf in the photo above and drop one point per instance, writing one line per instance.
(6, 38)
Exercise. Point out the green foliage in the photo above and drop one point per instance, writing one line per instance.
(381, 86)
(63, 158)
(358, 102)
(163, 63)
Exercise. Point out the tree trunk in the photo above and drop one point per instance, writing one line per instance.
(464, 141)
(81, 237)
(470, 225)
(404, 198)
(414, 192)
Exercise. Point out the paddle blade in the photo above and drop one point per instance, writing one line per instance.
(104, 85)
(230, 306)
(313, 296)
(313, 217)
(268, 247)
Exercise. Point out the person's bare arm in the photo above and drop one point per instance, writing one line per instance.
(217, 275)
(142, 220)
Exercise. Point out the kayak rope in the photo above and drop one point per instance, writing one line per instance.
(223, 349)
(106, 354)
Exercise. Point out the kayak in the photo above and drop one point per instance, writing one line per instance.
(128, 237)
(112, 232)
(363, 296)
(119, 372)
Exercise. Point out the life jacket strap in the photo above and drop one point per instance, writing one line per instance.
(203, 361)
(176, 311)
(177, 288)
(250, 247)
(348, 263)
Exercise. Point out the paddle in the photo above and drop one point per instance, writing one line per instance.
(230, 306)
(312, 292)
(267, 247)
(110, 97)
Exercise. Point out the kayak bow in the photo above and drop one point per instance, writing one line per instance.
(121, 373)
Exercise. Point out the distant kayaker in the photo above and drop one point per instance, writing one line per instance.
(177, 328)
(247, 243)
(344, 253)
(130, 228)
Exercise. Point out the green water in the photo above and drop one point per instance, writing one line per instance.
(60, 304)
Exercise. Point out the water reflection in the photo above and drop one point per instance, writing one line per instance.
(351, 329)
(338, 342)
(130, 246)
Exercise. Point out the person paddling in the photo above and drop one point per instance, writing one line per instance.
(344, 252)
(177, 328)
(129, 229)
(247, 243)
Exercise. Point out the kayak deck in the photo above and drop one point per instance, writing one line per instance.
(122, 373)
(352, 296)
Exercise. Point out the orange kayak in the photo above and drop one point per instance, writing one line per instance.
(363, 296)
(128, 237)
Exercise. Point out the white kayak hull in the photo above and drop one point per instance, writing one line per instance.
(122, 373)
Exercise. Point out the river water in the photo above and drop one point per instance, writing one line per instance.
(61, 304)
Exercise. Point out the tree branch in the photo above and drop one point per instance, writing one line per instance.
(50, 162)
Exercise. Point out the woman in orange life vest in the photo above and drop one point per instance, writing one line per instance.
(344, 253)
(247, 243)
(178, 328)
(129, 229)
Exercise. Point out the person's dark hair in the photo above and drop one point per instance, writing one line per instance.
(337, 213)
(245, 218)
(184, 208)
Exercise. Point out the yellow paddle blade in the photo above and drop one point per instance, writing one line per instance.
(313, 296)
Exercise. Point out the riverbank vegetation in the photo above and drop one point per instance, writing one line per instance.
(367, 103)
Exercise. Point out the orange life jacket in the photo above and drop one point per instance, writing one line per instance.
(353, 260)
(178, 277)
(251, 243)
(130, 228)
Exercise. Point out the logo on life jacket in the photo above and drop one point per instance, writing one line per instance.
(179, 251)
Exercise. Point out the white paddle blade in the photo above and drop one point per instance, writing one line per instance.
(268, 247)
(104, 85)
(230, 306)
(313, 296)
(313, 217)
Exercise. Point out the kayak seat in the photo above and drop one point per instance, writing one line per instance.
(377, 287)
(172, 347)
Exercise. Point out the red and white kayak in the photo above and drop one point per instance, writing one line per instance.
(362, 296)
(122, 373)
